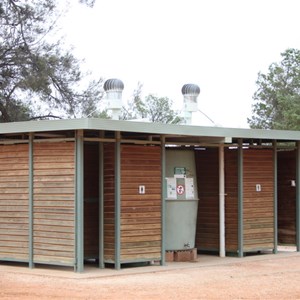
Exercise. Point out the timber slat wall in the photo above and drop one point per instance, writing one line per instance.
(231, 200)
(286, 197)
(91, 200)
(207, 166)
(140, 213)
(109, 202)
(258, 206)
(54, 203)
(14, 202)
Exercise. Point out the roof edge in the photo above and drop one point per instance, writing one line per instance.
(145, 127)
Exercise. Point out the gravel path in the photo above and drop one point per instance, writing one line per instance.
(273, 277)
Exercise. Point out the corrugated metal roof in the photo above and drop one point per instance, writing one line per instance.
(144, 127)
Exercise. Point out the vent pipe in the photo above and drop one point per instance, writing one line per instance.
(113, 88)
(190, 94)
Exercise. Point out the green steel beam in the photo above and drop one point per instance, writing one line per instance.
(163, 202)
(298, 198)
(101, 206)
(240, 200)
(118, 201)
(30, 211)
(275, 166)
(79, 235)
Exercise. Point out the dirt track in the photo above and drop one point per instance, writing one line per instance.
(270, 277)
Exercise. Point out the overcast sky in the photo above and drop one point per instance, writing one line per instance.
(219, 45)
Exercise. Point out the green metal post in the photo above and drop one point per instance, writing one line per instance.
(30, 212)
(79, 202)
(163, 202)
(298, 198)
(118, 201)
(240, 200)
(222, 243)
(275, 250)
(101, 206)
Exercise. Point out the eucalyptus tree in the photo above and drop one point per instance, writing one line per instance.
(38, 77)
(277, 99)
(152, 108)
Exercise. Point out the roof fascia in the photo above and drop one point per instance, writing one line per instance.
(143, 127)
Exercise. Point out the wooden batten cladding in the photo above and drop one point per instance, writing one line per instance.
(258, 200)
(207, 166)
(287, 197)
(140, 223)
(53, 198)
(109, 202)
(54, 203)
(140, 213)
(231, 200)
(14, 202)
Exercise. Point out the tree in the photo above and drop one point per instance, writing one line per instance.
(88, 2)
(277, 99)
(152, 108)
(39, 78)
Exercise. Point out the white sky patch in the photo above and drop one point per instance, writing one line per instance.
(219, 45)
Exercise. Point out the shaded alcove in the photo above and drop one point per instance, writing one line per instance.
(287, 197)
(91, 201)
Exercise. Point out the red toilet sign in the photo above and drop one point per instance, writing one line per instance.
(180, 189)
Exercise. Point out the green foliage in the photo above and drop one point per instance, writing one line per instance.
(159, 110)
(277, 99)
(37, 77)
(152, 108)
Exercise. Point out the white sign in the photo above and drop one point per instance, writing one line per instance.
(190, 191)
(171, 188)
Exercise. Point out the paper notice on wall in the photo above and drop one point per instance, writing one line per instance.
(171, 188)
(189, 188)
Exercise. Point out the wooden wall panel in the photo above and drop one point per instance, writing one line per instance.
(54, 203)
(258, 205)
(207, 166)
(91, 200)
(140, 213)
(109, 202)
(14, 202)
(231, 200)
(286, 197)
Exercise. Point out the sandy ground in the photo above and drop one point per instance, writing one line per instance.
(257, 277)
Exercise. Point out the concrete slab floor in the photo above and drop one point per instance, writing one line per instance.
(92, 271)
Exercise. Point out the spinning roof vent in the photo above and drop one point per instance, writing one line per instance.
(114, 88)
(190, 94)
